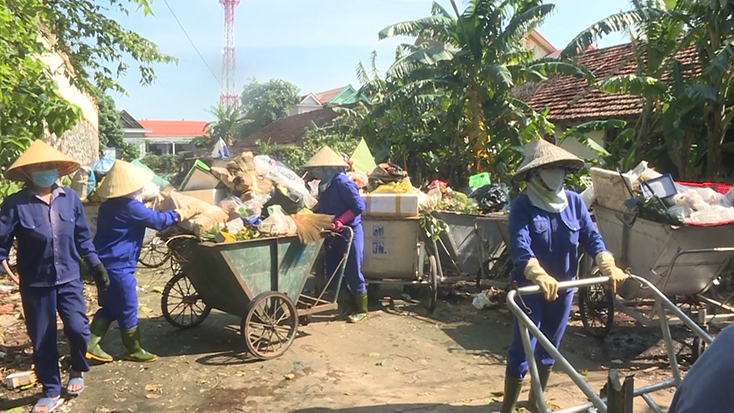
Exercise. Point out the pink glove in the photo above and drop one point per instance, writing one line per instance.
(344, 219)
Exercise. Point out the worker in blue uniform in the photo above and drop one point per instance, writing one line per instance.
(708, 385)
(547, 224)
(339, 196)
(122, 221)
(49, 224)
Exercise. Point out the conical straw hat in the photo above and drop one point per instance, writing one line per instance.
(541, 153)
(326, 157)
(41, 153)
(123, 179)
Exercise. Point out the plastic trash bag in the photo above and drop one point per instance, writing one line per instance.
(491, 198)
(102, 166)
(150, 192)
(278, 223)
(481, 301)
(280, 174)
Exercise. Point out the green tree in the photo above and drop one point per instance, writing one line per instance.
(264, 103)
(228, 121)
(29, 29)
(686, 121)
(111, 134)
(448, 100)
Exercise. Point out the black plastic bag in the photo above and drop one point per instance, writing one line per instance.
(490, 198)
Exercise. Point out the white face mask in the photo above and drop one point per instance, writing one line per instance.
(553, 178)
(137, 195)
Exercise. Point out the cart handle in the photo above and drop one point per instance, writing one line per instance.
(527, 327)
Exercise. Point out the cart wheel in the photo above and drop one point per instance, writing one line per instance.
(181, 304)
(596, 305)
(270, 325)
(432, 283)
(699, 346)
(175, 266)
(155, 254)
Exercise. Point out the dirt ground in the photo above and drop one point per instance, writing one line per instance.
(401, 359)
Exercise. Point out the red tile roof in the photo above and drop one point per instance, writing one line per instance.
(174, 128)
(287, 131)
(573, 99)
(325, 97)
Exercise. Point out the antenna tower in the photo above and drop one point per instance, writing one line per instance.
(229, 94)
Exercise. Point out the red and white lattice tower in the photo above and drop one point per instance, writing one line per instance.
(229, 94)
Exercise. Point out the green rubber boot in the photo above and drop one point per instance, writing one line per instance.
(543, 374)
(133, 350)
(97, 331)
(360, 311)
(346, 304)
(513, 387)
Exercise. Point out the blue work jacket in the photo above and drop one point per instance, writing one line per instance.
(551, 238)
(342, 195)
(709, 383)
(121, 225)
(51, 237)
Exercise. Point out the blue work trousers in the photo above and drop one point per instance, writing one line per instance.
(40, 305)
(119, 302)
(334, 251)
(551, 318)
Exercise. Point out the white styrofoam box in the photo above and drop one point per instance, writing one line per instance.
(404, 205)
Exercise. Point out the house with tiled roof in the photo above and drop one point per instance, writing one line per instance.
(532, 41)
(572, 101)
(346, 95)
(288, 131)
(161, 137)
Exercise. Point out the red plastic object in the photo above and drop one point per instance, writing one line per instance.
(720, 188)
(437, 184)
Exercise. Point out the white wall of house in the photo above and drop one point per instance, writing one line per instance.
(577, 148)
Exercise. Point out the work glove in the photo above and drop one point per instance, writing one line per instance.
(99, 274)
(535, 273)
(190, 210)
(608, 268)
(344, 219)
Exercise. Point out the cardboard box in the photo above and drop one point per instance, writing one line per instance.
(395, 205)
(210, 196)
(21, 379)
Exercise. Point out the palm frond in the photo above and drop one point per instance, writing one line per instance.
(722, 61)
(417, 28)
(523, 23)
(634, 85)
(420, 56)
(618, 22)
(498, 74)
(700, 92)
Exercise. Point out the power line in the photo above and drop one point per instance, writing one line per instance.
(192, 43)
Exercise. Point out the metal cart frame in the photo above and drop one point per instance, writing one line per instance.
(397, 252)
(601, 404)
(680, 261)
(260, 280)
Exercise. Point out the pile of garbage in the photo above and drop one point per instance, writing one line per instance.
(658, 197)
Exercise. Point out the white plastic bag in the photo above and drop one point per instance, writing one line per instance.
(280, 174)
(481, 301)
(278, 223)
(150, 192)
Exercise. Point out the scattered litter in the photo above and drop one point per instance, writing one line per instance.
(2, 355)
(650, 369)
(16, 380)
(290, 376)
(374, 355)
(152, 396)
(617, 361)
(159, 290)
(481, 301)
(150, 387)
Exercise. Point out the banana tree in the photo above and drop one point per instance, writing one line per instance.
(686, 116)
(465, 67)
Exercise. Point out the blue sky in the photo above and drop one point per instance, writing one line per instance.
(314, 44)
